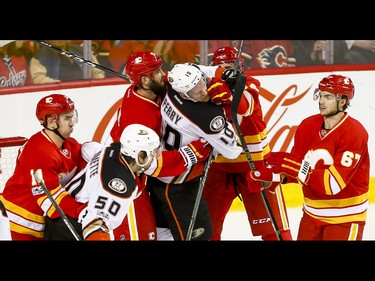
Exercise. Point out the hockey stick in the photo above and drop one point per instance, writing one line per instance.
(238, 91)
(202, 182)
(81, 59)
(237, 64)
(211, 156)
(39, 180)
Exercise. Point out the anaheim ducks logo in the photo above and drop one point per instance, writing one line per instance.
(217, 124)
(197, 233)
(118, 185)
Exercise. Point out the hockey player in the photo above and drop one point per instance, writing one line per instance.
(228, 178)
(330, 160)
(58, 156)
(113, 179)
(141, 104)
(188, 115)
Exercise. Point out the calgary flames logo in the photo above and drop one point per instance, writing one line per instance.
(276, 56)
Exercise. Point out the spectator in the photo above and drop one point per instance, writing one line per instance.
(309, 52)
(360, 51)
(122, 49)
(227, 178)
(14, 64)
(180, 51)
(58, 156)
(330, 160)
(101, 49)
(48, 66)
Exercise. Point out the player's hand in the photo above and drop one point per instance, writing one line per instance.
(230, 75)
(254, 186)
(219, 91)
(265, 177)
(194, 152)
(284, 162)
(96, 230)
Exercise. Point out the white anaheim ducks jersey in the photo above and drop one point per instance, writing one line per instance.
(184, 121)
(108, 185)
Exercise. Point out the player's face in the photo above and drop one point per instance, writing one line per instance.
(199, 92)
(327, 103)
(157, 83)
(66, 122)
(145, 159)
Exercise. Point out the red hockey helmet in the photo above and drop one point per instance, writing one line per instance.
(142, 63)
(226, 55)
(339, 85)
(53, 104)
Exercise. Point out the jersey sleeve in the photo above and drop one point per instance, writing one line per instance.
(169, 164)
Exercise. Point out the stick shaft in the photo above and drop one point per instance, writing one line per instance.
(81, 59)
(238, 90)
(199, 194)
(54, 203)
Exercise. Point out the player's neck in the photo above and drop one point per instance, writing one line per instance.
(331, 121)
(149, 94)
(55, 138)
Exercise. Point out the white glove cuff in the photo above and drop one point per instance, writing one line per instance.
(188, 155)
(304, 170)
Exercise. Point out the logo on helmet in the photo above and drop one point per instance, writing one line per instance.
(142, 132)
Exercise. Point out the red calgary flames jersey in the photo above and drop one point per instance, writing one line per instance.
(337, 191)
(25, 200)
(253, 129)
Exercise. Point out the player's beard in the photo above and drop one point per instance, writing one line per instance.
(333, 112)
(158, 88)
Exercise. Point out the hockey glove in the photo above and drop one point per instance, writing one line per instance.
(219, 91)
(284, 162)
(265, 177)
(96, 230)
(194, 152)
(230, 76)
(98, 236)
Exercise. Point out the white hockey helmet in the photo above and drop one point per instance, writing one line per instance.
(184, 77)
(136, 138)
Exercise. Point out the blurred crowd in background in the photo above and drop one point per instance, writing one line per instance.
(25, 62)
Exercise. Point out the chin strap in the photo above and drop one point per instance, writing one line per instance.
(337, 111)
(56, 131)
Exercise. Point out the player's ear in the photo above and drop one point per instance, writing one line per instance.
(51, 121)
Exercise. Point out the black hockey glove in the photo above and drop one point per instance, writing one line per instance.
(230, 76)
